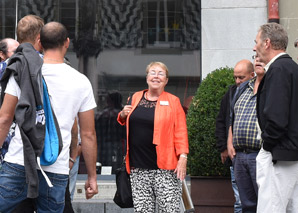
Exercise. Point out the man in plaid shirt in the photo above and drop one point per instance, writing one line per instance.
(243, 143)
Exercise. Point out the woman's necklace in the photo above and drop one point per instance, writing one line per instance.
(147, 97)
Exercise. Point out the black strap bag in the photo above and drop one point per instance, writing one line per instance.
(123, 195)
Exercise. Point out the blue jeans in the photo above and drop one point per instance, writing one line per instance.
(245, 175)
(237, 204)
(73, 177)
(13, 189)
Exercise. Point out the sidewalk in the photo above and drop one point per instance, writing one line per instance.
(100, 203)
(103, 201)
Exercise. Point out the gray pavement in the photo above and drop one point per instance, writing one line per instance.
(103, 201)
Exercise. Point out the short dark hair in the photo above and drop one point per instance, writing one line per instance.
(53, 35)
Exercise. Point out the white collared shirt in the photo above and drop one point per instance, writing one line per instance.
(272, 60)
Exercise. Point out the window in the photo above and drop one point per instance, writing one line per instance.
(162, 23)
(7, 20)
(112, 42)
(171, 24)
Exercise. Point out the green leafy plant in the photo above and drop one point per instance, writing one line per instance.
(204, 158)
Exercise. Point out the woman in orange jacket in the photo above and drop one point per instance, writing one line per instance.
(157, 144)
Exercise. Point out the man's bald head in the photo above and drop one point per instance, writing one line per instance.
(243, 71)
(53, 35)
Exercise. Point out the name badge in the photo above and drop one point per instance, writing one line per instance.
(164, 103)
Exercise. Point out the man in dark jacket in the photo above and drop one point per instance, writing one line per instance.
(243, 71)
(277, 104)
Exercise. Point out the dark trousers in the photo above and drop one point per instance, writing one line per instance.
(28, 205)
(68, 207)
(245, 175)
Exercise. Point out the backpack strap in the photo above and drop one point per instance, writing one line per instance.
(53, 142)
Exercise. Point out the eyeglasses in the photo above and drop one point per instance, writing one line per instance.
(153, 73)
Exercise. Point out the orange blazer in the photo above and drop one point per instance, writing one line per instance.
(170, 130)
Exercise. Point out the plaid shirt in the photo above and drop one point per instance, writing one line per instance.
(245, 123)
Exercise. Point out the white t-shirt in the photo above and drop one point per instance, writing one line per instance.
(70, 92)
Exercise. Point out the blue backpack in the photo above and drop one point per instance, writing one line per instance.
(52, 142)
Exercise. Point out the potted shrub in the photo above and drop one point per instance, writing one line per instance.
(204, 163)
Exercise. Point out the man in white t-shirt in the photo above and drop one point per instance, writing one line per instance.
(70, 94)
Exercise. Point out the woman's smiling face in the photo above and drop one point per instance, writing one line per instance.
(156, 78)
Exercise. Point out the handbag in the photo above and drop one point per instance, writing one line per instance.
(123, 195)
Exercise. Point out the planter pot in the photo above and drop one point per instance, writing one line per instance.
(212, 194)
